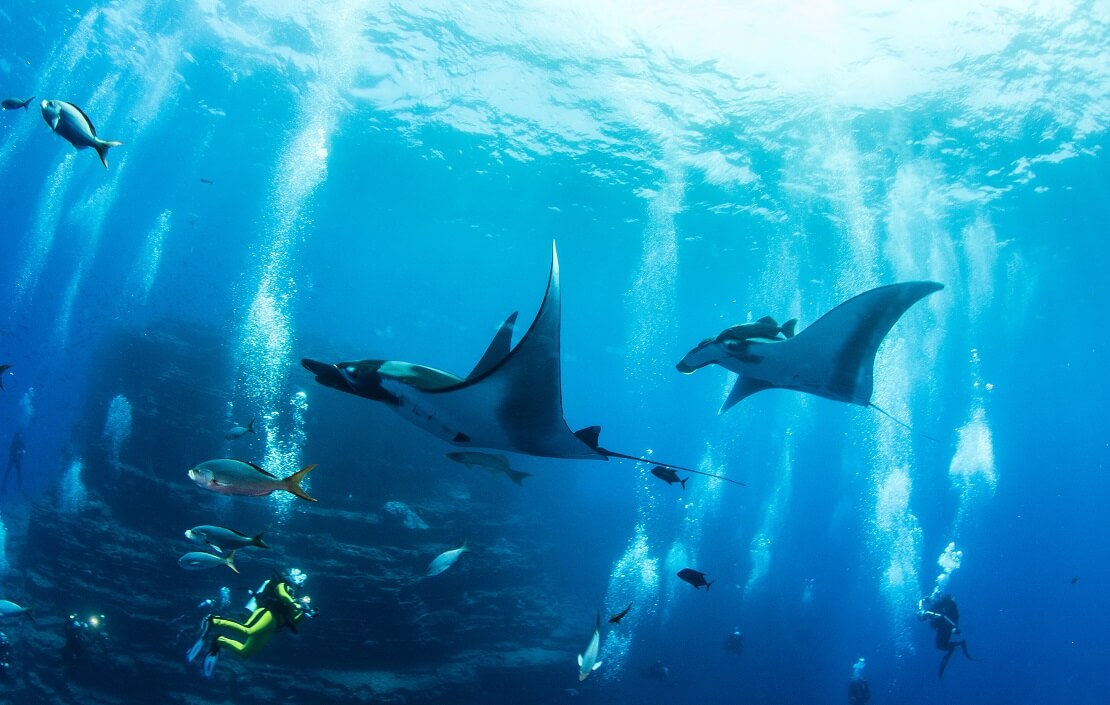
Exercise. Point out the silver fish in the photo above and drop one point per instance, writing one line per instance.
(221, 537)
(236, 432)
(9, 609)
(199, 560)
(229, 476)
(445, 560)
(71, 124)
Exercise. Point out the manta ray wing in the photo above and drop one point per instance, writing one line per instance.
(514, 404)
(835, 357)
(499, 348)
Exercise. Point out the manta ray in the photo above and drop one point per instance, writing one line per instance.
(512, 400)
(833, 358)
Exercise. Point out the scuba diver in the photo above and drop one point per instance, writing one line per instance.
(16, 451)
(275, 607)
(944, 617)
(79, 634)
(859, 691)
(734, 642)
(5, 657)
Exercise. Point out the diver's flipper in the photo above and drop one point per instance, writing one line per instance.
(744, 388)
(202, 639)
(211, 660)
(195, 651)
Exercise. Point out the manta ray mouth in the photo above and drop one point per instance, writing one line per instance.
(699, 357)
(327, 375)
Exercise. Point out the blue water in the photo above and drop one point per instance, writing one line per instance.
(388, 179)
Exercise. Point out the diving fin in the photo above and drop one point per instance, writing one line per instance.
(195, 651)
(211, 660)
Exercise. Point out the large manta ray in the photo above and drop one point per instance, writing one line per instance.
(512, 400)
(833, 358)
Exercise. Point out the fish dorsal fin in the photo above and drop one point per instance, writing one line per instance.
(498, 348)
(264, 472)
(768, 321)
(744, 388)
(92, 128)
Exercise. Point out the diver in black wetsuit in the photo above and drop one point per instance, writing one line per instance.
(944, 617)
(859, 691)
(16, 451)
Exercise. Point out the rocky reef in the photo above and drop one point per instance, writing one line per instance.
(106, 539)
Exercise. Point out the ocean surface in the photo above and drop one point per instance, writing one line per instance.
(350, 179)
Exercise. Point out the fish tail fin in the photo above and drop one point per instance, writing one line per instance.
(518, 477)
(31, 617)
(683, 482)
(102, 147)
(709, 584)
(231, 561)
(464, 547)
(293, 482)
(258, 541)
(250, 426)
(27, 102)
(788, 327)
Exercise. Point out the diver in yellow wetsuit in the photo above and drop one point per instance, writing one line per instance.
(276, 608)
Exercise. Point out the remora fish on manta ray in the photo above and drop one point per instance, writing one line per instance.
(833, 358)
(71, 124)
(494, 463)
(512, 400)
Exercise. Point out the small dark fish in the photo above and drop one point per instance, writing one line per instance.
(668, 475)
(616, 619)
(3, 369)
(695, 578)
(206, 181)
(15, 103)
(1075, 580)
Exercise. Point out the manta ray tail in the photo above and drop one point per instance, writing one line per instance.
(900, 422)
(592, 434)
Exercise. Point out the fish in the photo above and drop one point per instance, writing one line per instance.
(236, 431)
(445, 560)
(3, 369)
(668, 475)
(694, 577)
(71, 124)
(15, 103)
(221, 537)
(511, 400)
(587, 660)
(9, 609)
(616, 619)
(199, 560)
(496, 464)
(230, 476)
(834, 358)
(206, 181)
